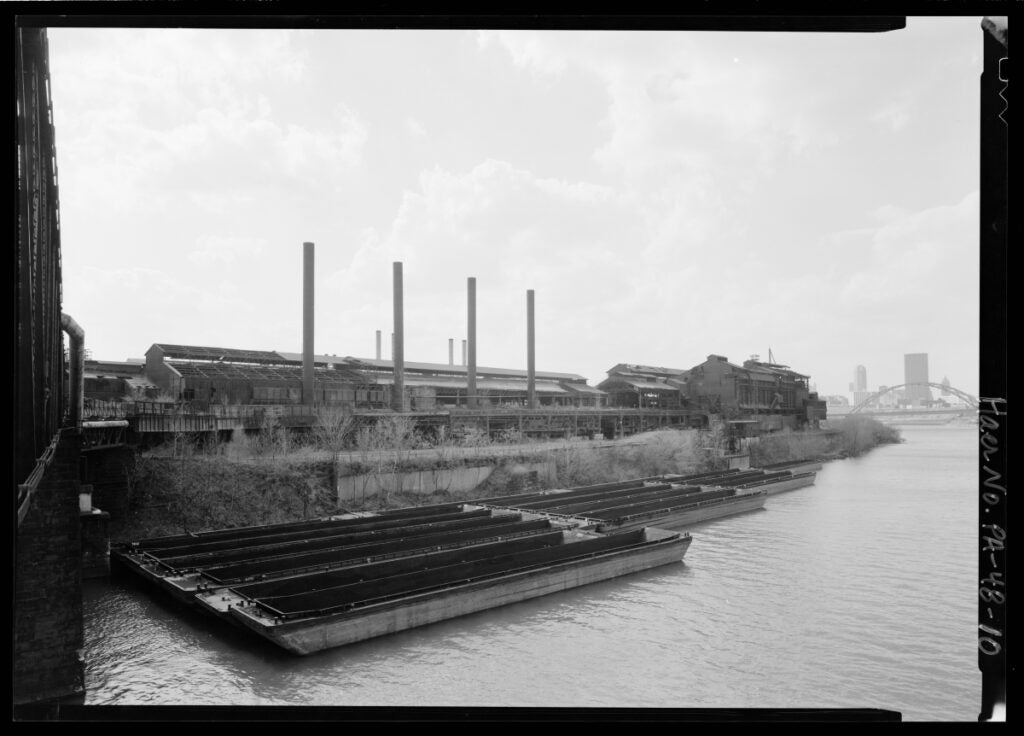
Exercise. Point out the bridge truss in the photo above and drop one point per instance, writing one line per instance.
(972, 401)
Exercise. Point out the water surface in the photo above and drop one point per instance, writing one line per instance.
(857, 592)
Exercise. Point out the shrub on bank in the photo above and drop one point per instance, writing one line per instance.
(196, 492)
(650, 453)
(789, 446)
(851, 436)
(860, 434)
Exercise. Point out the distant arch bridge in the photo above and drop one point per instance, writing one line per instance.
(971, 401)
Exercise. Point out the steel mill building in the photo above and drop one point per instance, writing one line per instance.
(233, 376)
(766, 396)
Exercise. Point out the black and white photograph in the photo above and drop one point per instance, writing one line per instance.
(526, 364)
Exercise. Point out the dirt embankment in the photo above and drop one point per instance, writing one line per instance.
(197, 491)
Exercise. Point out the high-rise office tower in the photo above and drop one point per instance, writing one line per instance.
(915, 371)
(860, 378)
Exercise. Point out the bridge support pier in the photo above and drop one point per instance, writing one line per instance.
(95, 526)
(48, 615)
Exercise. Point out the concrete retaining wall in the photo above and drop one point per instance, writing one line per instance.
(451, 480)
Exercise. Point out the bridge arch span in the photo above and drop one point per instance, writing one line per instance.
(972, 401)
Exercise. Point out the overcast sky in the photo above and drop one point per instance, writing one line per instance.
(666, 194)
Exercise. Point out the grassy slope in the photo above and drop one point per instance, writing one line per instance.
(265, 481)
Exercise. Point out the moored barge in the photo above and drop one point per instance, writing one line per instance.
(325, 583)
(305, 615)
(795, 466)
(668, 501)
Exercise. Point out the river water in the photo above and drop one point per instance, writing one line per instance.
(857, 592)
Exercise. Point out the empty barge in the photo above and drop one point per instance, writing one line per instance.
(795, 466)
(666, 501)
(319, 584)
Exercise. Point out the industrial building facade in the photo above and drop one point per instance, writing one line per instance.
(752, 389)
(756, 391)
(645, 387)
(767, 396)
(232, 376)
(113, 381)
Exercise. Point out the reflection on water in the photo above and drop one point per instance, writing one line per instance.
(856, 592)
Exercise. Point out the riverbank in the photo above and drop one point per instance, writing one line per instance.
(183, 489)
(850, 437)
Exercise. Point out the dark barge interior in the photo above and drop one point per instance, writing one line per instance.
(613, 503)
(342, 590)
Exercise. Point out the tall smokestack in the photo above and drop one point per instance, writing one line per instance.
(378, 344)
(531, 367)
(307, 324)
(471, 335)
(398, 395)
(463, 352)
(451, 351)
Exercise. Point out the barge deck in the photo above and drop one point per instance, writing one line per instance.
(666, 501)
(325, 583)
(308, 615)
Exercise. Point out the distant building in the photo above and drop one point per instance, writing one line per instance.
(753, 397)
(233, 376)
(444, 385)
(915, 371)
(229, 375)
(107, 380)
(861, 396)
(887, 398)
(753, 389)
(645, 387)
(945, 386)
(860, 379)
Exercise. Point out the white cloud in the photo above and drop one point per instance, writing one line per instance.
(915, 287)
(189, 109)
(415, 129)
(527, 50)
(895, 115)
(225, 250)
(685, 106)
(888, 213)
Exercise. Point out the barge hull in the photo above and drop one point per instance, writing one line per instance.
(687, 517)
(789, 485)
(312, 635)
